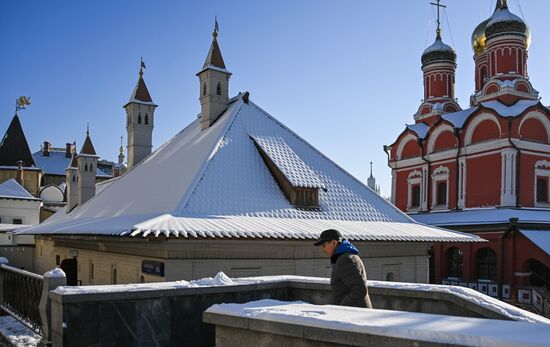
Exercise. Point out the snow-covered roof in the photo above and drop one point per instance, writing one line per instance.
(56, 163)
(13, 190)
(540, 237)
(4, 227)
(480, 216)
(509, 111)
(458, 118)
(421, 129)
(214, 183)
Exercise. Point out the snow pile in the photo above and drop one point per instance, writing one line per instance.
(57, 272)
(17, 333)
(405, 325)
(220, 279)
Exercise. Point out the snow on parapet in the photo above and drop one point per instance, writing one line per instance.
(405, 325)
(57, 272)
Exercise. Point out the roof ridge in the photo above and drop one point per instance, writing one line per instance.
(183, 203)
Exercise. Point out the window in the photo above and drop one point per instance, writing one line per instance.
(442, 193)
(139, 118)
(415, 192)
(542, 189)
(146, 118)
(389, 276)
(486, 264)
(306, 197)
(219, 89)
(17, 221)
(74, 178)
(91, 167)
(204, 88)
(91, 271)
(86, 167)
(57, 260)
(114, 276)
(454, 262)
(141, 279)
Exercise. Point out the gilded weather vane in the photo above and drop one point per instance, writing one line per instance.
(22, 102)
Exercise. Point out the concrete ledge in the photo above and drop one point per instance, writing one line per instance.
(268, 322)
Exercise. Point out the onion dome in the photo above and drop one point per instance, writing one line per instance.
(438, 52)
(502, 21)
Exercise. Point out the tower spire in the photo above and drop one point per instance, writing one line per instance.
(439, 6)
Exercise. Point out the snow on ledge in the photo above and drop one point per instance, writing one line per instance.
(57, 272)
(222, 279)
(17, 333)
(406, 325)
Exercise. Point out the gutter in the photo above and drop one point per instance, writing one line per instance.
(518, 161)
(428, 205)
(457, 174)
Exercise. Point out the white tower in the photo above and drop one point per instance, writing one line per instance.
(140, 120)
(71, 188)
(371, 181)
(214, 84)
(87, 165)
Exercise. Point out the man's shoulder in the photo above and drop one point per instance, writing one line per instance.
(348, 257)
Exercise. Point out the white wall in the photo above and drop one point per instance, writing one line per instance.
(27, 210)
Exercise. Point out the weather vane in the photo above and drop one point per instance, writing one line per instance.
(22, 102)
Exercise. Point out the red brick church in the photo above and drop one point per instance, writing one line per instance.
(484, 169)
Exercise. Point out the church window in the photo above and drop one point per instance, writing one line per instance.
(486, 260)
(542, 189)
(91, 167)
(204, 88)
(86, 167)
(483, 74)
(139, 118)
(442, 193)
(454, 262)
(415, 192)
(219, 89)
(74, 178)
(146, 119)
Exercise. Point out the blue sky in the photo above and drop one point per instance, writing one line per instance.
(344, 75)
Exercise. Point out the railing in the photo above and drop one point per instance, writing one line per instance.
(20, 295)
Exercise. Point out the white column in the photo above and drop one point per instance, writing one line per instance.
(393, 185)
(508, 177)
(462, 183)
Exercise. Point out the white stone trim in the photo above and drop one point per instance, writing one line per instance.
(435, 134)
(508, 178)
(475, 122)
(462, 170)
(403, 142)
(542, 169)
(540, 117)
(440, 174)
(393, 185)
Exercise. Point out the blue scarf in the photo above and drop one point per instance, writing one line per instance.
(344, 247)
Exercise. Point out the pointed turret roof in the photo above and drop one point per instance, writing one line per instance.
(214, 59)
(14, 146)
(87, 147)
(140, 94)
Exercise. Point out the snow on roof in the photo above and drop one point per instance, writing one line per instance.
(214, 183)
(509, 111)
(11, 227)
(442, 329)
(541, 238)
(56, 163)
(459, 118)
(12, 189)
(421, 129)
(289, 163)
(492, 215)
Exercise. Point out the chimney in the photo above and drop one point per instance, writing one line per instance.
(46, 149)
(19, 177)
(68, 150)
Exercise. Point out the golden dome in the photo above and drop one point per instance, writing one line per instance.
(479, 37)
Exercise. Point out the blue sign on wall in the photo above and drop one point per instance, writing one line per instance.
(154, 268)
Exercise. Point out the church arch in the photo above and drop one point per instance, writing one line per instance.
(408, 147)
(492, 129)
(535, 126)
(442, 138)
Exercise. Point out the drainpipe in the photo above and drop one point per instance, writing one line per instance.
(512, 226)
(518, 161)
(428, 183)
(457, 174)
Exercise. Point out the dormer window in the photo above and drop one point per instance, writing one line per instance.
(296, 179)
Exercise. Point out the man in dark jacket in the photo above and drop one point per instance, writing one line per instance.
(348, 279)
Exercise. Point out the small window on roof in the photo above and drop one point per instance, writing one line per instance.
(17, 221)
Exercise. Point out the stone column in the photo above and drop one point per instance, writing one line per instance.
(52, 279)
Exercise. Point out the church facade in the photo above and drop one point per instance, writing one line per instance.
(484, 169)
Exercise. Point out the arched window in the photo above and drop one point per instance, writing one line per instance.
(146, 118)
(86, 167)
(415, 200)
(483, 74)
(542, 189)
(74, 178)
(442, 193)
(204, 88)
(389, 276)
(219, 89)
(139, 118)
(486, 263)
(91, 167)
(454, 262)
(141, 279)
